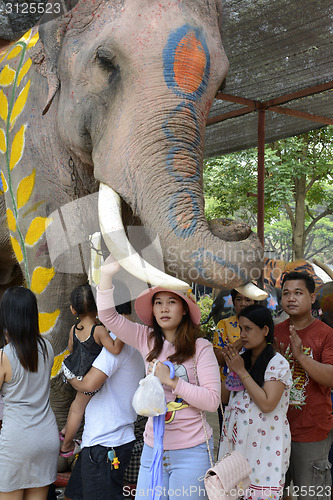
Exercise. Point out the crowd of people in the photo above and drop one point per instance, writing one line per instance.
(274, 382)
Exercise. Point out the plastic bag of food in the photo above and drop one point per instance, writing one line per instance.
(149, 398)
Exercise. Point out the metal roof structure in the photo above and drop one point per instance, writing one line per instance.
(281, 63)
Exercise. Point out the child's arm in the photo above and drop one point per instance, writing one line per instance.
(70, 340)
(92, 381)
(102, 337)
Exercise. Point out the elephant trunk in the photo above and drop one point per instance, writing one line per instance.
(172, 205)
(197, 255)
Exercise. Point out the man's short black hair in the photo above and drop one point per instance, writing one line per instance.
(296, 275)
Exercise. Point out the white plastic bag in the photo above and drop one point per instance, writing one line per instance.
(149, 398)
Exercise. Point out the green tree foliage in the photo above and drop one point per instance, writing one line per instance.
(205, 304)
(298, 191)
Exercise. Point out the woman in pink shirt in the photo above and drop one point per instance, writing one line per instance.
(171, 332)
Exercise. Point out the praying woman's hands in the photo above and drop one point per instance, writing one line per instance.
(234, 360)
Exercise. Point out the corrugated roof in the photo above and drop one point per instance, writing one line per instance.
(275, 47)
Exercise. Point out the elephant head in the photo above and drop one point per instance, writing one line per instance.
(117, 97)
(134, 82)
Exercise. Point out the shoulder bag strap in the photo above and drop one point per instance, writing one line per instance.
(203, 419)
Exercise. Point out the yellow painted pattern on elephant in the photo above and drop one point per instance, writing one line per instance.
(25, 189)
(23, 71)
(17, 147)
(3, 146)
(47, 320)
(4, 183)
(19, 104)
(7, 76)
(41, 277)
(3, 106)
(16, 50)
(15, 83)
(17, 249)
(11, 220)
(36, 229)
(58, 362)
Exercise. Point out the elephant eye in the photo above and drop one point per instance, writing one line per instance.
(105, 59)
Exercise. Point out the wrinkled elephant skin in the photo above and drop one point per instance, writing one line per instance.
(118, 93)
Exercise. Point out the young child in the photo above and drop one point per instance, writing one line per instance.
(86, 339)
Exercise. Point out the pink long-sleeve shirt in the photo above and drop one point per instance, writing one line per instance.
(184, 427)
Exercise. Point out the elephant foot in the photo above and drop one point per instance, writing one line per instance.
(229, 230)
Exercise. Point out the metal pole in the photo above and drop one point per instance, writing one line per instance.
(261, 175)
(261, 182)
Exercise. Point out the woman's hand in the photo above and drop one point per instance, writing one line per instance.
(163, 373)
(234, 360)
(109, 268)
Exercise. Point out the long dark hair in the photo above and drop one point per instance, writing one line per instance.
(260, 316)
(83, 301)
(186, 334)
(19, 321)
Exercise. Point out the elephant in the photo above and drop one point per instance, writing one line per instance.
(103, 112)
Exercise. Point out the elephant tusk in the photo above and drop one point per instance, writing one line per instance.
(252, 291)
(113, 232)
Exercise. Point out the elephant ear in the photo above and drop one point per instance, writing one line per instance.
(45, 54)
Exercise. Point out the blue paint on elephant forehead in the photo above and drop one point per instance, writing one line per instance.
(190, 226)
(183, 109)
(169, 54)
(188, 150)
(202, 255)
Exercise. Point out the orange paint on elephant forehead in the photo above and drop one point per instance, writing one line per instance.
(190, 63)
